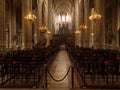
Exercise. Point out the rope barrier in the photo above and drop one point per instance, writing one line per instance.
(59, 79)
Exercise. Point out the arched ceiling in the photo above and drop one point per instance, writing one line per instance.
(63, 6)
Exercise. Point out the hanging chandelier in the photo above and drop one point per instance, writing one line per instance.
(48, 32)
(83, 26)
(92, 34)
(43, 29)
(30, 16)
(77, 32)
(95, 16)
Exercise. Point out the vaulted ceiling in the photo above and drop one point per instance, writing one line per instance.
(18, 3)
(63, 6)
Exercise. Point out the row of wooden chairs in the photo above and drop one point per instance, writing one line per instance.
(25, 67)
(97, 67)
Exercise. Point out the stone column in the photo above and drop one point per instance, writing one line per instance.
(114, 24)
(12, 26)
(118, 25)
(91, 30)
(2, 23)
(26, 26)
(80, 19)
(78, 38)
(39, 18)
(47, 16)
(86, 22)
(76, 15)
(77, 20)
(50, 19)
(100, 30)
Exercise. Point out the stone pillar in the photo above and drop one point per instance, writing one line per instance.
(99, 29)
(48, 11)
(50, 18)
(46, 16)
(78, 38)
(86, 22)
(80, 13)
(2, 23)
(91, 30)
(80, 18)
(39, 18)
(76, 19)
(118, 25)
(48, 38)
(26, 26)
(76, 15)
(114, 24)
(12, 26)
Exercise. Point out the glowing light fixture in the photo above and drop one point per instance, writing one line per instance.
(43, 29)
(92, 34)
(77, 32)
(48, 32)
(95, 16)
(83, 26)
(30, 16)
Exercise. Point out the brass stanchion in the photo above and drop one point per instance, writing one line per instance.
(45, 77)
(72, 77)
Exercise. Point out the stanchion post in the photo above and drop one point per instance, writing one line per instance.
(72, 76)
(84, 78)
(45, 76)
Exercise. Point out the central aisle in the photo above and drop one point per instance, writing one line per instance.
(58, 70)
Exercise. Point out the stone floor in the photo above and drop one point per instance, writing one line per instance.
(58, 70)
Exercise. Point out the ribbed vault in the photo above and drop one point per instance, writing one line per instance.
(63, 6)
